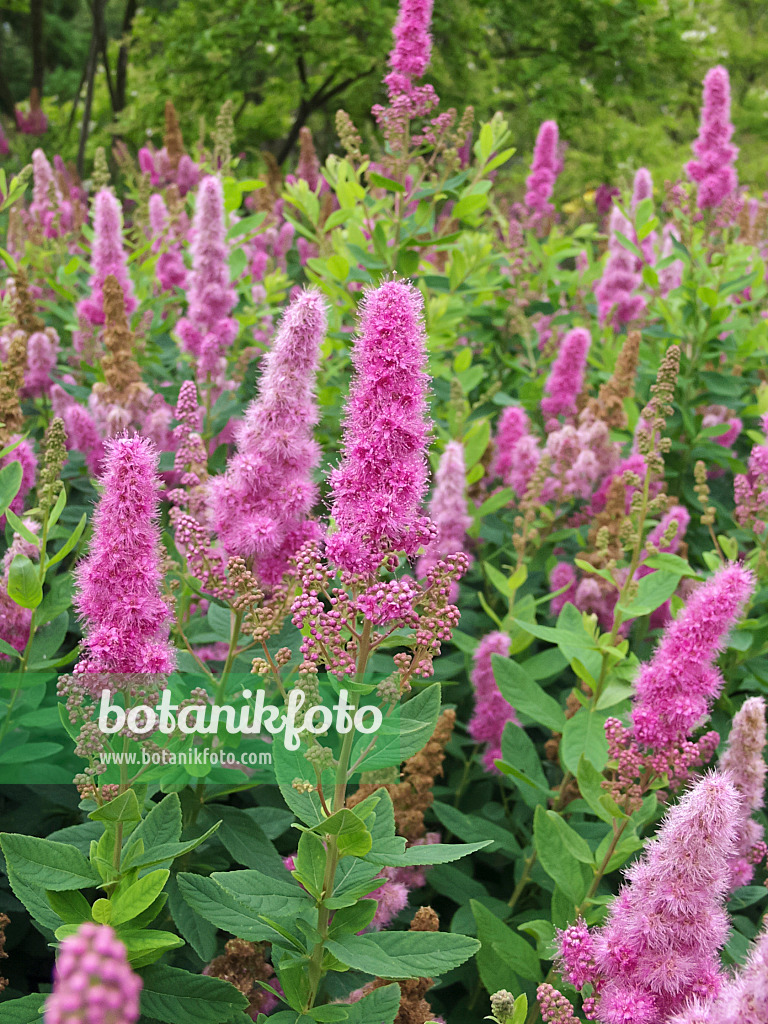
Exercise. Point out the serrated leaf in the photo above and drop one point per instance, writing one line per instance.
(404, 954)
(173, 996)
(47, 865)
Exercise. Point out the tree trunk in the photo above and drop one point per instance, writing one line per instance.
(38, 44)
(93, 61)
(121, 74)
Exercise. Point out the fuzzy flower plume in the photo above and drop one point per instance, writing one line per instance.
(209, 329)
(642, 187)
(566, 378)
(171, 272)
(259, 506)
(743, 758)
(48, 208)
(108, 257)
(517, 450)
(660, 944)
(492, 711)
(448, 509)
(409, 59)
(743, 999)
(118, 585)
(544, 171)
(675, 688)
(615, 299)
(713, 171)
(750, 489)
(379, 486)
(92, 982)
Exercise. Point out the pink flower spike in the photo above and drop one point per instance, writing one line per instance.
(743, 760)
(92, 981)
(675, 688)
(259, 506)
(660, 944)
(108, 257)
(566, 378)
(713, 171)
(410, 57)
(545, 168)
(379, 485)
(126, 621)
(448, 510)
(209, 329)
(492, 711)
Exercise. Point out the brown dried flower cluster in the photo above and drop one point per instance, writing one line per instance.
(123, 385)
(243, 965)
(412, 796)
(414, 1008)
(173, 140)
(4, 922)
(609, 404)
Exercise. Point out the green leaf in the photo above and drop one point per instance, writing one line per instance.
(129, 902)
(472, 829)
(219, 907)
(71, 906)
(10, 482)
(310, 863)
(379, 1007)
(123, 809)
(199, 933)
(353, 919)
(404, 954)
(166, 853)
(519, 752)
(584, 734)
(432, 853)
(652, 591)
(68, 544)
(590, 786)
(379, 181)
(571, 875)
(47, 865)
(290, 765)
(525, 695)
(262, 894)
(174, 996)
(352, 835)
(501, 946)
(145, 945)
(407, 731)
(29, 1009)
(24, 586)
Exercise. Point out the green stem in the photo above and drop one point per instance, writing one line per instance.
(332, 850)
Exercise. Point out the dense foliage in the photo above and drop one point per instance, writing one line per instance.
(485, 475)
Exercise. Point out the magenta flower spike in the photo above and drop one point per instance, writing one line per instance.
(108, 257)
(92, 981)
(126, 620)
(660, 944)
(614, 292)
(566, 378)
(545, 168)
(713, 171)
(47, 204)
(209, 329)
(743, 759)
(517, 450)
(409, 59)
(674, 690)
(171, 272)
(379, 486)
(448, 510)
(642, 187)
(492, 711)
(259, 506)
